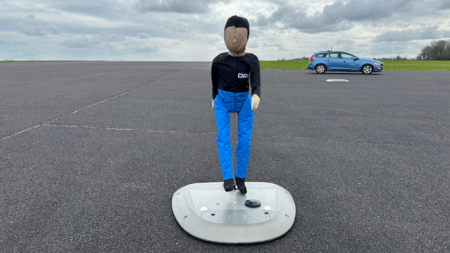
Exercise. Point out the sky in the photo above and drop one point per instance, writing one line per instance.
(192, 30)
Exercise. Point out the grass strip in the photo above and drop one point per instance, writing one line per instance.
(388, 65)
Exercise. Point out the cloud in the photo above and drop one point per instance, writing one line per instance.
(105, 40)
(277, 45)
(33, 27)
(143, 48)
(396, 48)
(81, 41)
(144, 36)
(289, 17)
(446, 34)
(345, 42)
(350, 46)
(93, 9)
(408, 35)
(105, 9)
(176, 30)
(179, 6)
(444, 4)
(111, 37)
(338, 16)
(86, 41)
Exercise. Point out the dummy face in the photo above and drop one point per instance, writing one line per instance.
(236, 39)
(235, 34)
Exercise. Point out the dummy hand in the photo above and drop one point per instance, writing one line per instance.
(213, 104)
(255, 102)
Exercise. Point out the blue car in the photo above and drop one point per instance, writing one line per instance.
(342, 61)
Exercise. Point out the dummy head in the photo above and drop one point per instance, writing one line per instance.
(236, 33)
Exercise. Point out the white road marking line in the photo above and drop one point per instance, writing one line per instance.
(111, 98)
(21, 132)
(120, 129)
(337, 80)
(69, 126)
(174, 132)
(81, 109)
(123, 129)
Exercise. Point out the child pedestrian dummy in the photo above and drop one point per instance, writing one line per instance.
(232, 73)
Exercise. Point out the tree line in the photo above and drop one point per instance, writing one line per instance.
(437, 51)
(395, 58)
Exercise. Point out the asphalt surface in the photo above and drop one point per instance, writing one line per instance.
(91, 153)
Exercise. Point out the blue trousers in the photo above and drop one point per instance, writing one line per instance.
(224, 104)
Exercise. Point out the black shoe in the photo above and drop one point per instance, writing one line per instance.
(240, 182)
(228, 185)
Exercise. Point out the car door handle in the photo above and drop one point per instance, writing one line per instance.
(328, 60)
(344, 61)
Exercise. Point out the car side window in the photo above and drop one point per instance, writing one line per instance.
(319, 55)
(333, 55)
(347, 56)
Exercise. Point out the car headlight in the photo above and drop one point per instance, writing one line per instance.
(377, 63)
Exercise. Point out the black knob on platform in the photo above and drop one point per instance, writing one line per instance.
(253, 203)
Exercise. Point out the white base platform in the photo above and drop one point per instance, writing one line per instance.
(207, 212)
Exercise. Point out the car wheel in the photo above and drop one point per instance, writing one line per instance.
(320, 69)
(367, 69)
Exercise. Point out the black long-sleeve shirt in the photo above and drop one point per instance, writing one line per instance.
(232, 74)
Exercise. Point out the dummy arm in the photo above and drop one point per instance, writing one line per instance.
(215, 83)
(255, 102)
(255, 79)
